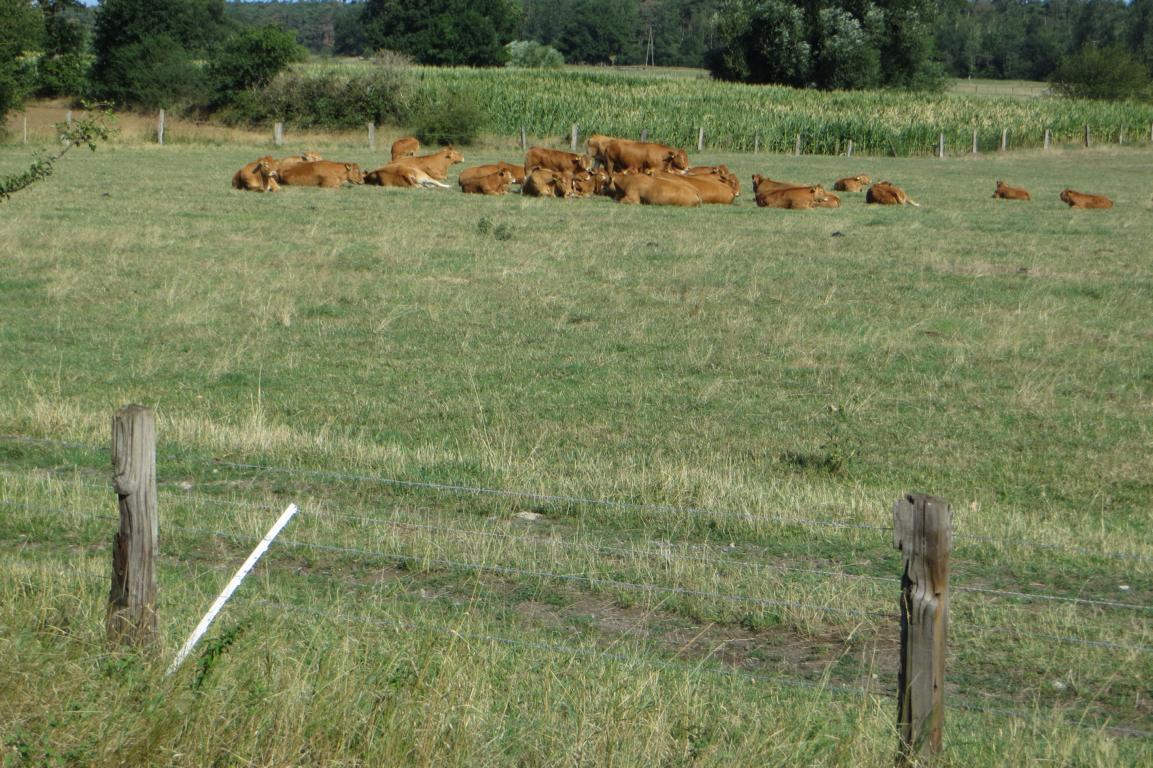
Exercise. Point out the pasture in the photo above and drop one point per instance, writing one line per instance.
(711, 411)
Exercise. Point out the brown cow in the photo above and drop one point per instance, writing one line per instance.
(624, 155)
(1083, 200)
(720, 172)
(797, 198)
(556, 160)
(886, 193)
(435, 165)
(708, 186)
(830, 201)
(291, 160)
(405, 147)
(492, 184)
(634, 188)
(545, 183)
(763, 184)
(321, 173)
(258, 176)
(852, 183)
(517, 171)
(401, 175)
(596, 148)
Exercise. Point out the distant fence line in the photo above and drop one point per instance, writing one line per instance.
(828, 142)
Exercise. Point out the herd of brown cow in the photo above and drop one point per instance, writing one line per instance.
(628, 171)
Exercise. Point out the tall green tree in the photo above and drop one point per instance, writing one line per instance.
(64, 63)
(833, 44)
(146, 49)
(587, 31)
(447, 32)
(21, 31)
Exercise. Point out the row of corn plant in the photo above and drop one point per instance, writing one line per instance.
(739, 117)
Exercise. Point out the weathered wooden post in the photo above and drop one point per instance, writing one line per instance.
(941, 146)
(575, 136)
(160, 128)
(1121, 136)
(68, 118)
(1004, 139)
(523, 140)
(797, 146)
(1087, 136)
(922, 530)
(1048, 138)
(756, 143)
(701, 139)
(849, 149)
(372, 136)
(278, 134)
(131, 614)
(974, 141)
(644, 134)
(26, 129)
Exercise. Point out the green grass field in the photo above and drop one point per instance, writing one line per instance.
(748, 389)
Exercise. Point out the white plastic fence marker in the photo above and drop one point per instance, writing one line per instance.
(206, 622)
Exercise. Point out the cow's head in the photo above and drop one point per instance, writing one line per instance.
(676, 158)
(353, 174)
(454, 156)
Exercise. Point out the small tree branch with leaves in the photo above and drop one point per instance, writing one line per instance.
(95, 126)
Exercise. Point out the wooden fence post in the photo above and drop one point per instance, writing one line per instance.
(1087, 137)
(131, 614)
(1121, 136)
(68, 119)
(1004, 139)
(26, 130)
(756, 143)
(941, 147)
(160, 128)
(797, 146)
(278, 134)
(372, 137)
(701, 139)
(644, 134)
(575, 136)
(1048, 138)
(523, 140)
(922, 530)
(849, 149)
(974, 141)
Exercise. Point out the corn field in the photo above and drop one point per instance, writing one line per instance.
(738, 117)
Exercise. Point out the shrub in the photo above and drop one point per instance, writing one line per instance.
(250, 59)
(1101, 73)
(457, 120)
(529, 54)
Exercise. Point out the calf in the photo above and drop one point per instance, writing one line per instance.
(634, 188)
(517, 171)
(851, 183)
(545, 183)
(1083, 200)
(1005, 192)
(556, 160)
(796, 198)
(492, 184)
(321, 173)
(886, 193)
(405, 147)
(435, 165)
(401, 175)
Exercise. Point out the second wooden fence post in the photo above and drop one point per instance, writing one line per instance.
(131, 616)
(922, 530)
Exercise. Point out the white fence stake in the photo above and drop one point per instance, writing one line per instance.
(206, 622)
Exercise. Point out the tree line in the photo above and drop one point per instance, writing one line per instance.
(216, 55)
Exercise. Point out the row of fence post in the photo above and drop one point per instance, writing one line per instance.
(278, 137)
(921, 531)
